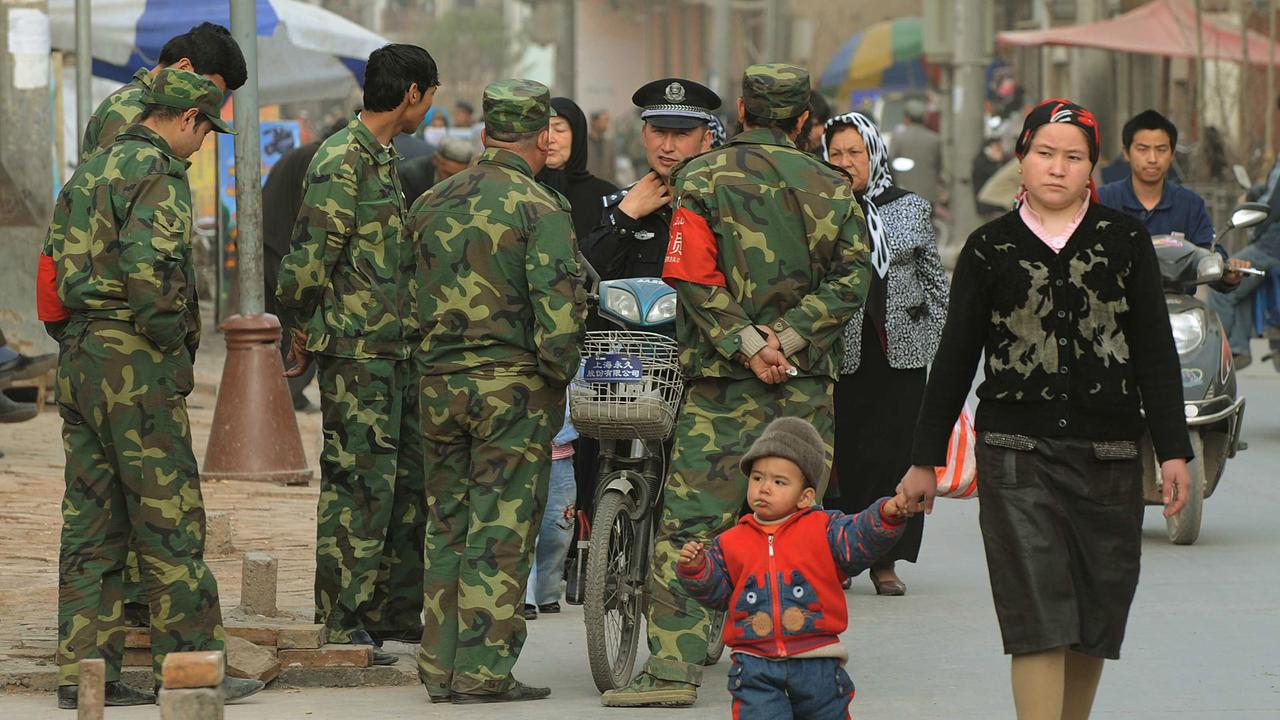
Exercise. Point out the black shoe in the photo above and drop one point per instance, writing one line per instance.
(408, 637)
(23, 367)
(117, 694)
(380, 656)
(530, 612)
(518, 692)
(12, 411)
(234, 688)
(550, 608)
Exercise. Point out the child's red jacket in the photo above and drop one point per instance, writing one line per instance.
(782, 589)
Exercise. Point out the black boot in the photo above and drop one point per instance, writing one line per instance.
(117, 694)
(518, 692)
(380, 656)
(234, 689)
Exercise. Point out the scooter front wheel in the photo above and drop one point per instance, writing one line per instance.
(1184, 528)
(613, 603)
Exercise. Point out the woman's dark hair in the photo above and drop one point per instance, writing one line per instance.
(1149, 120)
(786, 125)
(831, 131)
(391, 70)
(211, 50)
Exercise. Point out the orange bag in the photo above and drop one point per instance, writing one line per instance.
(959, 478)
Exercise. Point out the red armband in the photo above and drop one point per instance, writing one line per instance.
(692, 251)
(49, 306)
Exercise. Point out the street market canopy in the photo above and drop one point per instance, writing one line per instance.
(304, 52)
(1160, 27)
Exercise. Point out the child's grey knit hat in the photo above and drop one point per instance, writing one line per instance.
(794, 439)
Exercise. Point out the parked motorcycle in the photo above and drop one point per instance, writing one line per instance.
(1213, 407)
(626, 396)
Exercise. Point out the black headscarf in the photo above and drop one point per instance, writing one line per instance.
(574, 181)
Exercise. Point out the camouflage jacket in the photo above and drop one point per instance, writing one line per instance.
(118, 111)
(763, 234)
(345, 281)
(120, 241)
(498, 284)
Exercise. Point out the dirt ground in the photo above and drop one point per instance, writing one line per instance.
(265, 517)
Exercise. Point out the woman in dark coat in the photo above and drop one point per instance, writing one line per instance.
(889, 342)
(1063, 298)
(566, 170)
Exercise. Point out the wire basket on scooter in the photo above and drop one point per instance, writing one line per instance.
(630, 386)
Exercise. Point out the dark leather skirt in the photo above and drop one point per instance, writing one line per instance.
(1061, 522)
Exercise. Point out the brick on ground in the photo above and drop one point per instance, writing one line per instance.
(300, 637)
(191, 704)
(200, 669)
(247, 660)
(327, 656)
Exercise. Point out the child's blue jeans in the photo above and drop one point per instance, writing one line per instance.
(799, 689)
(554, 535)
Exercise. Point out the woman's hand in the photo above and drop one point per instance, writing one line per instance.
(1176, 485)
(918, 486)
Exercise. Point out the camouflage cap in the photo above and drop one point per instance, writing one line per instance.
(775, 91)
(185, 90)
(517, 106)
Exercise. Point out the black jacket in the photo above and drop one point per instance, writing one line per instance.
(1077, 343)
(625, 247)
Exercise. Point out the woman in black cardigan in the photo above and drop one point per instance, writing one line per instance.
(1063, 297)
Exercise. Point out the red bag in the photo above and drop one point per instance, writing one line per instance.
(959, 478)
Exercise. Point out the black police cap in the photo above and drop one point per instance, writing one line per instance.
(676, 103)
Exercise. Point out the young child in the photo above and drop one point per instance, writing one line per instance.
(778, 574)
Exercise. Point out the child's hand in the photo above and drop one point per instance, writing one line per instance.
(692, 553)
(895, 507)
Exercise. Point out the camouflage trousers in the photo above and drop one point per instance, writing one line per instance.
(130, 473)
(489, 449)
(704, 495)
(370, 518)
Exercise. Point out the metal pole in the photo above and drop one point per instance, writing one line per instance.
(1268, 102)
(771, 45)
(84, 68)
(968, 94)
(566, 52)
(722, 54)
(244, 28)
(1242, 88)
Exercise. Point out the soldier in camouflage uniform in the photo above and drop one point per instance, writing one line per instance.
(116, 285)
(769, 261)
(206, 49)
(344, 292)
(501, 305)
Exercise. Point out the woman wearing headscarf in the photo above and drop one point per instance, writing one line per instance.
(1063, 297)
(573, 473)
(566, 169)
(889, 342)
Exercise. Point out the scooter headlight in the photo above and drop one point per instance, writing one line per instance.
(623, 304)
(1188, 330)
(662, 311)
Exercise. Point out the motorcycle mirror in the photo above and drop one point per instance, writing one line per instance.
(1249, 214)
(1242, 176)
(903, 164)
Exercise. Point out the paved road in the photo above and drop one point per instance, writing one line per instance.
(1204, 641)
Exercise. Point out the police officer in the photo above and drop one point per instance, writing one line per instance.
(116, 288)
(501, 303)
(769, 261)
(631, 239)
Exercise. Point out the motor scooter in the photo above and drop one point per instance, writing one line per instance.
(1212, 405)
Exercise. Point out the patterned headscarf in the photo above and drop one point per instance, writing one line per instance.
(879, 180)
(718, 136)
(1059, 110)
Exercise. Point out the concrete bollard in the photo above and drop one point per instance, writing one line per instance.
(192, 686)
(219, 538)
(258, 584)
(92, 690)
